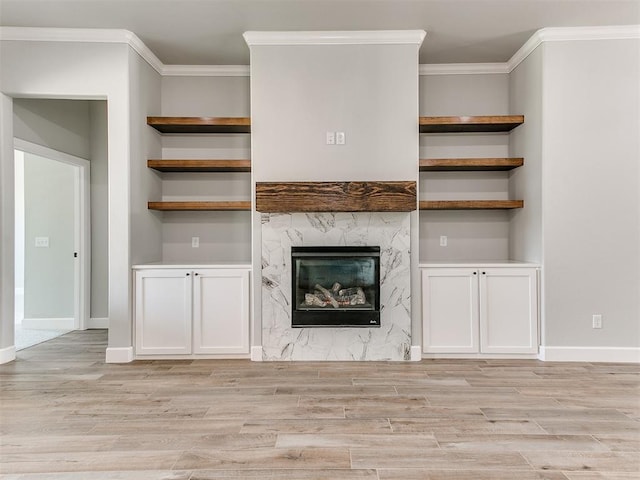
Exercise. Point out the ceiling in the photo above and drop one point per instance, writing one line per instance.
(209, 32)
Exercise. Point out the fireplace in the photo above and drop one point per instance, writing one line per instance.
(335, 287)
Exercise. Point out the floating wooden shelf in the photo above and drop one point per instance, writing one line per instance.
(469, 164)
(200, 206)
(200, 165)
(494, 123)
(470, 204)
(336, 196)
(200, 124)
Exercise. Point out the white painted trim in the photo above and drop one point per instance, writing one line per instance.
(463, 68)
(98, 323)
(416, 353)
(563, 34)
(97, 35)
(590, 354)
(119, 355)
(49, 323)
(205, 71)
(7, 354)
(256, 354)
(45, 34)
(82, 35)
(483, 356)
(365, 37)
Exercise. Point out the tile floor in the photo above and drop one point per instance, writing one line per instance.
(66, 415)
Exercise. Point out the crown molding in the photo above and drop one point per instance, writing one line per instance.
(206, 70)
(562, 34)
(462, 68)
(82, 35)
(98, 35)
(366, 37)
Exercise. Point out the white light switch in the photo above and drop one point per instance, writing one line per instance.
(443, 240)
(340, 138)
(597, 321)
(331, 138)
(195, 242)
(42, 242)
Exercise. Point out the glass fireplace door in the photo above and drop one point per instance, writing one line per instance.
(335, 286)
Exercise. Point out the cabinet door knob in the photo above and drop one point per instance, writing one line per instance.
(196, 274)
(475, 273)
(188, 274)
(484, 273)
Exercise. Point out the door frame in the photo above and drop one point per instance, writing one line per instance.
(82, 225)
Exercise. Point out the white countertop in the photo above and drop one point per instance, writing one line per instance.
(194, 266)
(479, 263)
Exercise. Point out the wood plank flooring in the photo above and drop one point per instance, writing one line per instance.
(65, 414)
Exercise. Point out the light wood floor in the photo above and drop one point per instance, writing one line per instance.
(65, 414)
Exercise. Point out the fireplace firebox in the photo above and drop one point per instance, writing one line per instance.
(335, 286)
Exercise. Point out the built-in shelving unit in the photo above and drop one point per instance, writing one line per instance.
(462, 124)
(200, 125)
(469, 164)
(470, 124)
(200, 206)
(184, 166)
(470, 204)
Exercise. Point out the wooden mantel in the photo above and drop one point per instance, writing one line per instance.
(336, 196)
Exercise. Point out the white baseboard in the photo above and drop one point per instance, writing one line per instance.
(590, 354)
(98, 323)
(416, 353)
(49, 323)
(256, 354)
(119, 355)
(7, 354)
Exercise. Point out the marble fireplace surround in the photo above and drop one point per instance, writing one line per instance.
(388, 230)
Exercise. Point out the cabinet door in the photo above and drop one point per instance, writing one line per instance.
(450, 310)
(508, 310)
(163, 311)
(221, 311)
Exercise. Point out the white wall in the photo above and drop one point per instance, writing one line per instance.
(62, 125)
(7, 213)
(99, 210)
(525, 95)
(591, 192)
(298, 93)
(145, 225)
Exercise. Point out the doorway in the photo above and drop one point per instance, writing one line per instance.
(52, 260)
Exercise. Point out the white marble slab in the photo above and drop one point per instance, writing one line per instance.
(389, 231)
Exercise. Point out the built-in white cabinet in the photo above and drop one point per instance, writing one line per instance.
(191, 311)
(480, 310)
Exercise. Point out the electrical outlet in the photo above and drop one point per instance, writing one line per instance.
(443, 240)
(597, 321)
(195, 242)
(340, 138)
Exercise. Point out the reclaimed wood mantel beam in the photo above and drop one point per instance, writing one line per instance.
(336, 196)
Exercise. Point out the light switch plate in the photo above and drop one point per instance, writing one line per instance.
(42, 242)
